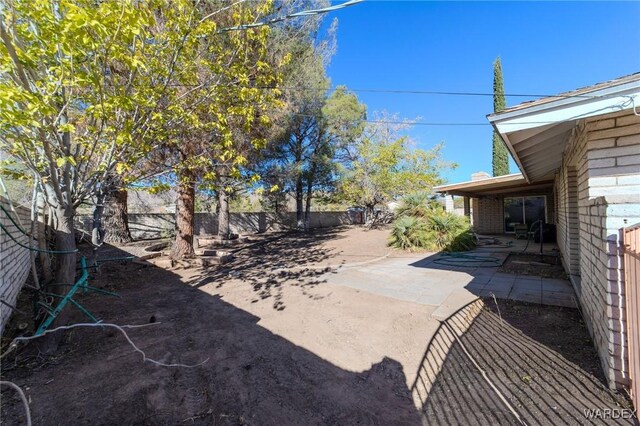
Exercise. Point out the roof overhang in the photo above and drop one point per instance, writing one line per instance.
(536, 133)
(493, 186)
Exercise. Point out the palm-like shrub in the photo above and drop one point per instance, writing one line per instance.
(449, 232)
(417, 204)
(408, 232)
(424, 224)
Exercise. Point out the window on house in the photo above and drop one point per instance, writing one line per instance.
(527, 210)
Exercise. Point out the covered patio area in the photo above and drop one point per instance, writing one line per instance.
(505, 204)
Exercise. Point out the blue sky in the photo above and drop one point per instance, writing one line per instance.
(546, 48)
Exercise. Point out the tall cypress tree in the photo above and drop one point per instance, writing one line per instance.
(500, 154)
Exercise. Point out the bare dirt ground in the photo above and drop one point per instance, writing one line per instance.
(534, 264)
(281, 345)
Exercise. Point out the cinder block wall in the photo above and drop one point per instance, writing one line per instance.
(598, 193)
(488, 215)
(15, 261)
(159, 225)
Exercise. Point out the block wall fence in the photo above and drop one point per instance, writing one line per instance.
(15, 261)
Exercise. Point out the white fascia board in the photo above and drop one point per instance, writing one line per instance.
(609, 100)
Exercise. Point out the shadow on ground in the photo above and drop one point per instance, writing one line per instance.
(538, 358)
(287, 259)
(527, 362)
(251, 375)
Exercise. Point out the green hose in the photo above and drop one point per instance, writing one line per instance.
(461, 259)
(13, 221)
(25, 233)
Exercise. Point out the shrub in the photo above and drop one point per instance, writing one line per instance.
(450, 232)
(408, 232)
(417, 204)
(422, 225)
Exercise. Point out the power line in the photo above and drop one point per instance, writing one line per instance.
(437, 92)
(408, 123)
(301, 14)
(434, 124)
(415, 92)
(408, 91)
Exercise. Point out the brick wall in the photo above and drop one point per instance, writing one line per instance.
(571, 185)
(488, 211)
(598, 193)
(488, 215)
(15, 261)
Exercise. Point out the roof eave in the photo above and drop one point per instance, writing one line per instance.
(507, 142)
(564, 110)
(563, 101)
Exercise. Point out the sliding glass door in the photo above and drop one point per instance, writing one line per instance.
(527, 210)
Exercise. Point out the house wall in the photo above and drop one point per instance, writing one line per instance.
(15, 261)
(488, 211)
(598, 193)
(488, 215)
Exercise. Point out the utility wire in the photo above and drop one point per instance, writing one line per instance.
(424, 123)
(439, 92)
(408, 123)
(425, 92)
(301, 14)
(411, 91)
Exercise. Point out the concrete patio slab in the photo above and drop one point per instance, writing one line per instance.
(500, 285)
(557, 286)
(523, 296)
(500, 294)
(527, 286)
(502, 275)
(425, 279)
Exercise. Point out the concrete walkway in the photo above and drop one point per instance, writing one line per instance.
(428, 279)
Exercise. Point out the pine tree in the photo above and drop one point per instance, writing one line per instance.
(500, 154)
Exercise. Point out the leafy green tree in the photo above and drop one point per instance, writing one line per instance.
(75, 100)
(89, 91)
(340, 122)
(294, 147)
(500, 158)
(384, 166)
(273, 196)
(300, 159)
(221, 90)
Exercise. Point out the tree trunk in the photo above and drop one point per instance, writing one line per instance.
(185, 213)
(299, 185)
(65, 242)
(307, 209)
(224, 230)
(65, 271)
(97, 230)
(299, 202)
(116, 218)
(45, 258)
(369, 213)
